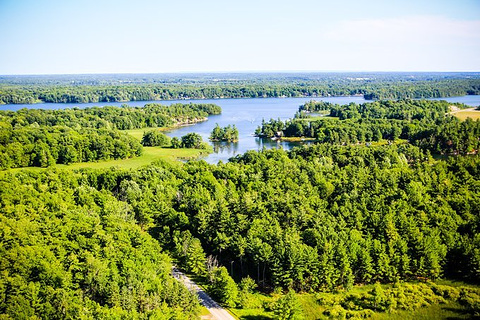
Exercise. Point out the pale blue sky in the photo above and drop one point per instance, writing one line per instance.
(147, 36)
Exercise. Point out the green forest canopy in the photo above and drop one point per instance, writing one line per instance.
(316, 218)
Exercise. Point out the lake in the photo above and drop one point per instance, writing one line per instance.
(246, 114)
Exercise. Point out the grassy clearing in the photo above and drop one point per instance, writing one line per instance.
(138, 133)
(33, 169)
(150, 154)
(320, 305)
(204, 313)
(259, 308)
(467, 113)
(438, 311)
(311, 310)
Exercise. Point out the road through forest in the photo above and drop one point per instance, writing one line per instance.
(214, 308)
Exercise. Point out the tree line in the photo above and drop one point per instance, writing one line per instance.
(46, 146)
(154, 138)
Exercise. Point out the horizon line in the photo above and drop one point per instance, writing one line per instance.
(228, 72)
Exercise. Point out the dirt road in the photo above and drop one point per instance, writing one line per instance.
(214, 308)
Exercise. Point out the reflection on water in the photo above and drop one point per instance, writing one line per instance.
(225, 147)
(278, 144)
(223, 151)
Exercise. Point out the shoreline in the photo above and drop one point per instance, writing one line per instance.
(85, 105)
(105, 103)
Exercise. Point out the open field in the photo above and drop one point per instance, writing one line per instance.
(150, 154)
(446, 311)
(467, 113)
(312, 310)
(138, 133)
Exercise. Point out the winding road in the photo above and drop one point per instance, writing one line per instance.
(214, 308)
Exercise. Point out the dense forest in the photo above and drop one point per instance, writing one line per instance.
(77, 89)
(45, 146)
(31, 137)
(323, 217)
(423, 123)
(70, 251)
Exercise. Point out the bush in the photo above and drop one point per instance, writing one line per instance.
(192, 140)
(471, 299)
(336, 312)
(155, 138)
(287, 307)
(176, 143)
(246, 297)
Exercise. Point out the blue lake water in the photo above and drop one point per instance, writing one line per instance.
(246, 114)
(473, 100)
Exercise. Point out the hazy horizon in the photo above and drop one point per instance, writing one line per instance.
(243, 72)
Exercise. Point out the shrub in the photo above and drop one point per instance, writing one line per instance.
(155, 138)
(287, 307)
(192, 140)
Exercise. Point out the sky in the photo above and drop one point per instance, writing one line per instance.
(148, 36)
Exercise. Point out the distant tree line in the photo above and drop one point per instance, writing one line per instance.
(371, 89)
